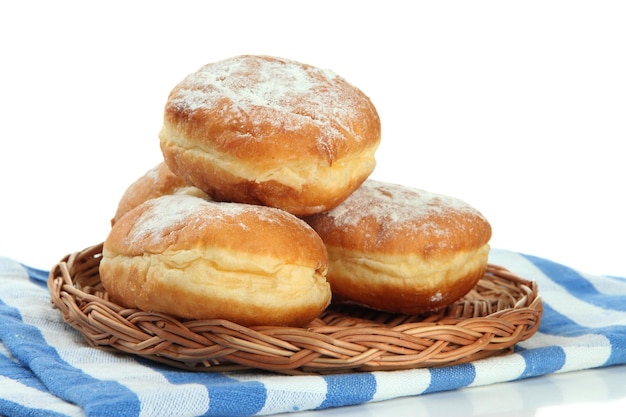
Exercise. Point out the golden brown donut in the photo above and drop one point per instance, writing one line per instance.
(156, 182)
(401, 249)
(270, 131)
(199, 259)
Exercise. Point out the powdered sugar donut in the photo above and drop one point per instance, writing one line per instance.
(270, 131)
(401, 249)
(200, 259)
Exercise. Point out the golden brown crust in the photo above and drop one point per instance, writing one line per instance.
(386, 283)
(265, 130)
(401, 249)
(198, 259)
(156, 182)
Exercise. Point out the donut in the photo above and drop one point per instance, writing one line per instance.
(198, 259)
(402, 250)
(269, 131)
(156, 182)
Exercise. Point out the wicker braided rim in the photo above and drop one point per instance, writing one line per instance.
(502, 310)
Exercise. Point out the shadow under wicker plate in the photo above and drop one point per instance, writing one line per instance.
(502, 310)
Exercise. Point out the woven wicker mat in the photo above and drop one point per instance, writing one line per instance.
(502, 310)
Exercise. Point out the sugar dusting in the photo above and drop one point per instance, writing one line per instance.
(164, 215)
(245, 84)
(167, 214)
(396, 206)
(393, 203)
(437, 297)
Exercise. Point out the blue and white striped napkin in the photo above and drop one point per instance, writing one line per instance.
(47, 369)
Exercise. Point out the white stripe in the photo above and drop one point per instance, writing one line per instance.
(582, 313)
(33, 398)
(12, 270)
(498, 369)
(308, 391)
(157, 396)
(401, 384)
(607, 285)
(581, 352)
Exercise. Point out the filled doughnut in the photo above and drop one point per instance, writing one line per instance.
(156, 182)
(402, 250)
(270, 131)
(199, 259)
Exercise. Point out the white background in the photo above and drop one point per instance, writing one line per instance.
(518, 108)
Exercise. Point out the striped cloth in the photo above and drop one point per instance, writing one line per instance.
(47, 369)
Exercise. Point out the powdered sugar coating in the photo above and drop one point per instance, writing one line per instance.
(164, 215)
(167, 214)
(264, 86)
(394, 204)
(391, 214)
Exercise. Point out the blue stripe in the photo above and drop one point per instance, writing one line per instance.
(250, 396)
(38, 276)
(96, 397)
(451, 377)
(542, 361)
(16, 372)
(577, 285)
(618, 345)
(555, 323)
(348, 389)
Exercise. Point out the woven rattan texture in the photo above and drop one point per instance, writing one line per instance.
(502, 310)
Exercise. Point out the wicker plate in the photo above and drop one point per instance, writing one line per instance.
(500, 311)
